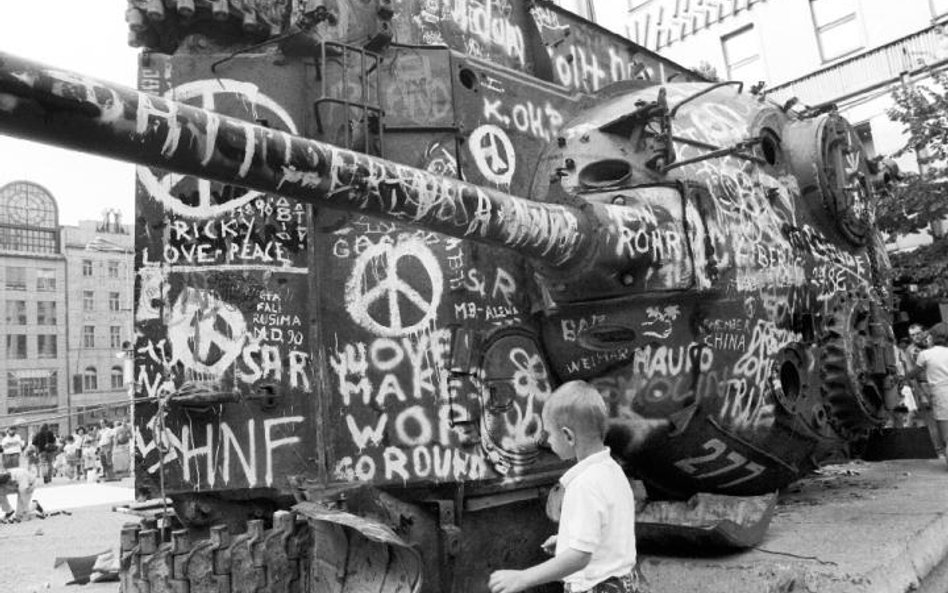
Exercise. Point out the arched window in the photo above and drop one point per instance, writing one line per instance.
(90, 380)
(118, 379)
(29, 218)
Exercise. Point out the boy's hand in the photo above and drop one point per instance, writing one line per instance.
(507, 581)
(549, 546)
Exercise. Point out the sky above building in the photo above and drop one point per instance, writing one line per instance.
(90, 38)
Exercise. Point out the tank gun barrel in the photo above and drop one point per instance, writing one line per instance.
(65, 109)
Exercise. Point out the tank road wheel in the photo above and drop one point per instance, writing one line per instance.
(258, 561)
(355, 555)
(853, 398)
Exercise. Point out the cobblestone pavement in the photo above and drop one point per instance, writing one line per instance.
(28, 550)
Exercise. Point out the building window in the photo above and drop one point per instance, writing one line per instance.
(113, 301)
(16, 346)
(16, 278)
(46, 346)
(118, 378)
(33, 241)
(88, 336)
(88, 300)
(115, 337)
(39, 383)
(87, 267)
(29, 221)
(45, 312)
(837, 27)
(16, 312)
(742, 55)
(90, 381)
(45, 280)
(113, 269)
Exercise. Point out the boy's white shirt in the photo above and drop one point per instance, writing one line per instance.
(598, 516)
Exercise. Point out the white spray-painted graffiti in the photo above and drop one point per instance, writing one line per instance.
(488, 22)
(229, 452)
(493, 154)
(267, 232)
(401, 416)
(210, 337)
(579, 66)
(386, 275)
(511, 427)
(660, 321)
(539, 121)
(205, 93)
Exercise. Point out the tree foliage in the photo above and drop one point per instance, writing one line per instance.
(909, 203)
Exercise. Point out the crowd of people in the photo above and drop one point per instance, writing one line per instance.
(93, 453)
(924, 356)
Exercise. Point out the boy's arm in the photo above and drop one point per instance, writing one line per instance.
(560, 566)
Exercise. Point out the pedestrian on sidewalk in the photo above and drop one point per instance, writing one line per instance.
(933, 362)
(73, 454)
(17, 481)
(87, 447)
(46, 449)
(595, 545)
(121, 451)
(105, 444)
(12, 445)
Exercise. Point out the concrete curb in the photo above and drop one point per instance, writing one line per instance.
(854, 528)
(915, 560)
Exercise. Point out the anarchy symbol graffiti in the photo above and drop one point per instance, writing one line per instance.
(395, 290)
(206, 334)
(208, 94)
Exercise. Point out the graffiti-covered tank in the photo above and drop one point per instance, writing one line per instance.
(374, 235)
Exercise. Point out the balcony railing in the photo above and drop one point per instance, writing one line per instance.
(866, 71)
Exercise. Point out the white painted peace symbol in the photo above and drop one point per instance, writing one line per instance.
(206, 90)
(202, 329)
(381, 263)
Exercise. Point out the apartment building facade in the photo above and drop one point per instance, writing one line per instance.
(99, 271)
(33, 269)
(66, 294)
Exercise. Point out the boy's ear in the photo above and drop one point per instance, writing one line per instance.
(570, 436)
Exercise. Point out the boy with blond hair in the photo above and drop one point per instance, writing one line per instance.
(595, 545)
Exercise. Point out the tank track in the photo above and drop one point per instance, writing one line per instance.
(259, 561)
(853, 400)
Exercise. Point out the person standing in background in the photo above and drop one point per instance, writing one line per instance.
(88, 439)
(121, 452)
(105, 443)
(933, 362)
(73, 453)
(919, 342)
(45, 443)
(12, 445)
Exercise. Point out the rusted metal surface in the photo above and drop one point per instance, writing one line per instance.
(538, 38)
(357, 553)
(610, 252)
(705, 522)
